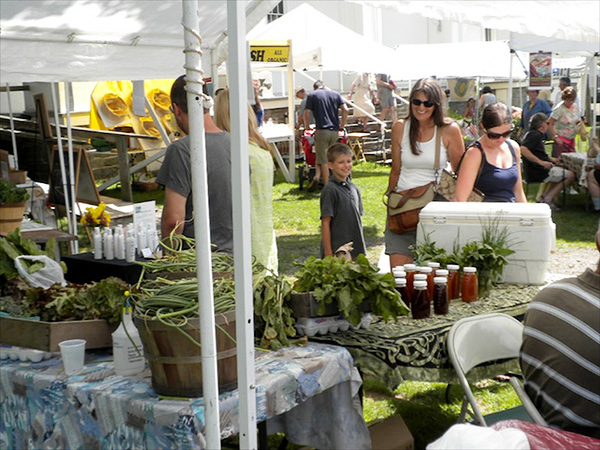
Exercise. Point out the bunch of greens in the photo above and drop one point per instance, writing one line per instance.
(99, 300)
(350, 284)
(489, 256)
(273, 320)
(14, 245)
(10, 193)
(427, 251)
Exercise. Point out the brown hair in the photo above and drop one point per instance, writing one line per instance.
(336, 150)
(495, 115)
(179, 94)
(433, 92)
(568, 93)
(223, 120)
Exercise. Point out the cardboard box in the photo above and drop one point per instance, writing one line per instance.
(46, 335)
(391, 434)
(530, 227)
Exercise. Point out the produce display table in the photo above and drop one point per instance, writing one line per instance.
(309, 393)
(415, 350)
(83, 268)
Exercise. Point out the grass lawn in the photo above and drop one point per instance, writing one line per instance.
(422, 405)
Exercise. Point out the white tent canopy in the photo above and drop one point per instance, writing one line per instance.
(574, 21)
(321, 42)
(101, 40)
(462, 59)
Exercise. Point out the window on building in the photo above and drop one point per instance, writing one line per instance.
(276, 12)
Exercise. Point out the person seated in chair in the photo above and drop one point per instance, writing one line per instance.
(538, 166)
(560, 354)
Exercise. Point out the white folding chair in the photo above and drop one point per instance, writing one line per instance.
(480, 339)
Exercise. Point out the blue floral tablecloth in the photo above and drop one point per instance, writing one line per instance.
(310, 393)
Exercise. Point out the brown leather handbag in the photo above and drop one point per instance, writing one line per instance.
(404, 206)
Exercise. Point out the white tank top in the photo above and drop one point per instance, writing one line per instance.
(418, 170)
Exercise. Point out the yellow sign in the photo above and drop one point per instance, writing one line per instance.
(270, 53)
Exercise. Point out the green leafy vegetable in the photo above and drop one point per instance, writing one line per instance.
(351, 285)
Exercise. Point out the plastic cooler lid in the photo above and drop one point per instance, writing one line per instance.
(470, 211)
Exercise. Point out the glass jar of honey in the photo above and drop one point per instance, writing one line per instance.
(469, 284)
(440, 295)
(453, 281)
(421, 302)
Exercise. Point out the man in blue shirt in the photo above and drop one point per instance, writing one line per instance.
(324, 104)
(532, 106)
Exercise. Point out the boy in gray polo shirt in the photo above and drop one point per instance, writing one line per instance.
(341, 206)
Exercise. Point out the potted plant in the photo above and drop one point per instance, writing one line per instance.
(353, 286)
(489, 255)
(12, 206)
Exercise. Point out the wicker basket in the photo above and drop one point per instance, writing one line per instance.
(11, 216)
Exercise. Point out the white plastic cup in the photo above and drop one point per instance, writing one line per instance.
(73, 355)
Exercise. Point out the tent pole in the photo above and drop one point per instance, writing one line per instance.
(61, 156)
(194, 84)
(72, 217)
(12, 128)
(291, 124)
(510, 81)
(240, 177)
(595, 94)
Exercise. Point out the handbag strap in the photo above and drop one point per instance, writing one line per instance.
(478, 145)
(438, 138)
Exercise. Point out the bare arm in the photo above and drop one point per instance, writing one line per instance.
(454, 143)
(468, 174)
(306, 118)
(344, 108)
(326, 235)
(518, 189)
(551, 129)
(173, 215)
(397, 133)
(380, 82)
(534, 159)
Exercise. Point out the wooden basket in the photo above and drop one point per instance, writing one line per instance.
(175, 361)
(11, 216)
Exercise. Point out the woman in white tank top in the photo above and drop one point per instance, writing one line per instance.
(413, 154)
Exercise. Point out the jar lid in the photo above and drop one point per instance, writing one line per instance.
(433, 265)
(400, 282)
(441, 273)
(469, 269)
(421, 284)
(421, 277)
(424, 269)
(452, 266)
(409, 267)
(442, 280)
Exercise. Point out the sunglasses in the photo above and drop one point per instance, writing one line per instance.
(499, 135)
(426, 103)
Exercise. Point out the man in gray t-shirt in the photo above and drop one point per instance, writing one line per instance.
(175, 175)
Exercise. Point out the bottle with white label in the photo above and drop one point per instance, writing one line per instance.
(130, 247)
(109, 246)
(119, 243)
(97, 244)
(128, 354)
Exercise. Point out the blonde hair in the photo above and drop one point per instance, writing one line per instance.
(223, 120)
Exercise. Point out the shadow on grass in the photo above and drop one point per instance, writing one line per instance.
(296, 248)
(574, 224)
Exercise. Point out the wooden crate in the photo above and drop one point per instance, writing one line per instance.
(46, 335)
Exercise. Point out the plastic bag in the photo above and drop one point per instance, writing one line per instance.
(45, 277)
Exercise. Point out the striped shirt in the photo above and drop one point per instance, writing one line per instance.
(560, 355)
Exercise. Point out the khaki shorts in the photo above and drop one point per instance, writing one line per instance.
(323, 140)
(556, 174)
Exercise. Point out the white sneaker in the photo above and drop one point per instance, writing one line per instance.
(573, 191)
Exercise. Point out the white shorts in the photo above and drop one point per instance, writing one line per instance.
(556, 174)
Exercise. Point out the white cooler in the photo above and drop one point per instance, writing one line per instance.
(530, 226)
